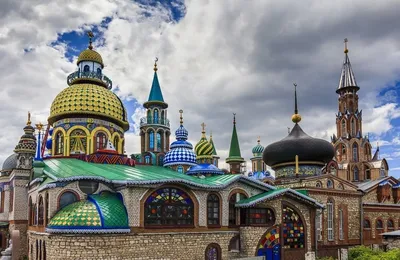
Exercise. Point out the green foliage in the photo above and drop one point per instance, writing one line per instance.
(362, 252)
(326, 258)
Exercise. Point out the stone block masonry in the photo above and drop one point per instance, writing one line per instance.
(165, 246)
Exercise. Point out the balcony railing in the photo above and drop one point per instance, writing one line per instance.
(151, 121)
(77, 75)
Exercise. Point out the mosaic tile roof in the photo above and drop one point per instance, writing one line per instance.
(90, 55)
(89, 99)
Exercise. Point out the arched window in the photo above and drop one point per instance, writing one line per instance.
(158, 141)
(66, 198)
(383, 171)
(353, 127)
(149, 116)
(341, 225)
(367, 173)
(318, 184)
(292, 224)
(379, 228)
(213, 210)
(340, 186)
(169, 207)
(355, 152)
(1, 200)
(344, 154)
(355, 173)
(147, 159)
(88, 187)
(101, 141)
(46, 209)
(257, 217)
(318, 224)
(343, 127)
(390, 225)
(333, 170)
(367, 224)
(232, 210)
(59, 143)
(116, 143)
(30, 205)
(151, 138)
(330, 214)
(329, 184)
(234, 243)
(11, 206)
(162, 117)
(180, 169)
(86, 69)
(160, 160)
(41, 212)
(99, 72)
(78, 142)
(156, 119)
(213, 252)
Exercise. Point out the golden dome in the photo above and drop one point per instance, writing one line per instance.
(90, 55)
(89, 99)
(296, 118)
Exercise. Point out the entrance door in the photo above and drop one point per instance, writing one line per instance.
(269, 245)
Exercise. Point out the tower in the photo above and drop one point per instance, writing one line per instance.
(235, 160)
(257, 163)
(154, 128)
(352, 149)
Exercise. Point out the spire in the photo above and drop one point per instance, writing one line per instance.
(38, 154)
(296, 118)
(347, 78)
(376, 154)
(203, 130)
(234, 150)
(212, 142)
(155, 92)
(90, 35)
(181, 117)
(29, 119)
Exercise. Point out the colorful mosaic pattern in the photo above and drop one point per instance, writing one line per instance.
(270, 239)
(113, 211)
(169, 195)
(90, 55)
(89, 99)
(78, 214)
(107, 159)
(304, 170)
(293, 229)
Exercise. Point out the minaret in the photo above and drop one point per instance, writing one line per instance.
(235, 160)
(257, 163)
(351, 147)
(214, 154)
(154, 128)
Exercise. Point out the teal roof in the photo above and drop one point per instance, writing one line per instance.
(155, 92)
(104, 213)
(272, 194)
(69, 169)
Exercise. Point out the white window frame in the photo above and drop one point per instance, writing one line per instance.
(318, 224)
(330, 214)
(341, 233)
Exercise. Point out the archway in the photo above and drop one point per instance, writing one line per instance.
(269, 245)
(293, 233)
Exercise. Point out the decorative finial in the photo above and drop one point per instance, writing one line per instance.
(29, 119)
(90, 35)
(39, 126)
(288, 130)
(234, 118)
(181, 117)
(296, 118)
(203, 128)
(155, 64)
(258, 140)
(345, 45)
(210, 134)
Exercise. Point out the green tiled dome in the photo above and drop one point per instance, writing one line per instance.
(104, 213)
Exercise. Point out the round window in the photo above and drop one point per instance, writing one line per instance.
(88, 187)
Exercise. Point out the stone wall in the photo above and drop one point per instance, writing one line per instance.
(392, 243)
(23, 249)
(131, 246)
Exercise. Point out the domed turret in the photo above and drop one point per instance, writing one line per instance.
(181, 155)
(203, 148)
(258, 149)
(298, 154)
(9, 163)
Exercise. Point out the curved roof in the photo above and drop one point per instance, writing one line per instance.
(100, 213)
(10, 163)
(90, 55)
(89, 99)
(298, 143)
(258, 149)
(180, 156)
(204, 168)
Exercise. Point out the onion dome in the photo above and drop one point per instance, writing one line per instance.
(308, 150)
(90, 55)
(204, 169)
(27, 142)
(104, 213)
(10, 163)
(261, 175)
(203, 148)
(180, 152)
(258, 149)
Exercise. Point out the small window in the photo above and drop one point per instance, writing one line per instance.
(379, 224)
(98, 72)
(319, 225)
(66, 199)
(329, 184)
(341, 224)
(147, 159)
(213, 210)
(367, 224)
(88, 187)
(330, 213)
(340, 186)
(180, 169)
(234, 244)
(355, 173)
(390, 225)
(213, 252)
(319, 184)
(86, 69)
(41, 212)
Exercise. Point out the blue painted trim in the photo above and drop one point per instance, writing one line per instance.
(91, 199)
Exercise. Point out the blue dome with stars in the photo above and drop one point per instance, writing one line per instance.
(181, 152)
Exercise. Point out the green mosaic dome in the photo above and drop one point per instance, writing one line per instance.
(101, 213)
(258, 149)
(204, 148)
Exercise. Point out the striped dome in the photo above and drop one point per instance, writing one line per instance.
(203, 148)
(258, 149)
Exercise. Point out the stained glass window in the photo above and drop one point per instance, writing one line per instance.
(59, 143)
(101, 141)
(258, 216)
(213, 252)
(78, 141)
(66, 199)
(341, 234)
(151, 137)
(293, 229)
(330, 219)
(169, 207)
(270, 242)
(213, 210)
(155, 116)
(158, 141)
(41, 212)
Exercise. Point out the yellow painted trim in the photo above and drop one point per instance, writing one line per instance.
(69, 138)
(120, 148)
(93, 134)
(53, 138)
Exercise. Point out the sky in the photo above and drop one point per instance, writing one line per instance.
(215, 59)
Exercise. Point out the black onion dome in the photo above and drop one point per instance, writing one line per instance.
(301, 144)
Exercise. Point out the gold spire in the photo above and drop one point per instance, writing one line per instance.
(155, 64)
(296, 118)
(203, 130)
(296, 158)
(29, 119)
(39, 126)
(90, 35)
(345, 45)
(181, 117)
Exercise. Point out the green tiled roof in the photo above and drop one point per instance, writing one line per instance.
(104, 213)
(155, 92)
(234, 149)
(269, 195)
(68, 169)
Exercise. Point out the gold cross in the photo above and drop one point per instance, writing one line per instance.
(203, 127)
(181, 117)
(345, 45)
(29, 119)
(90, 35)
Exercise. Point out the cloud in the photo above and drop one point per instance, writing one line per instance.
(219, 59)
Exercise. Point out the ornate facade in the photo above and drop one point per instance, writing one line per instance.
(85, 199)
